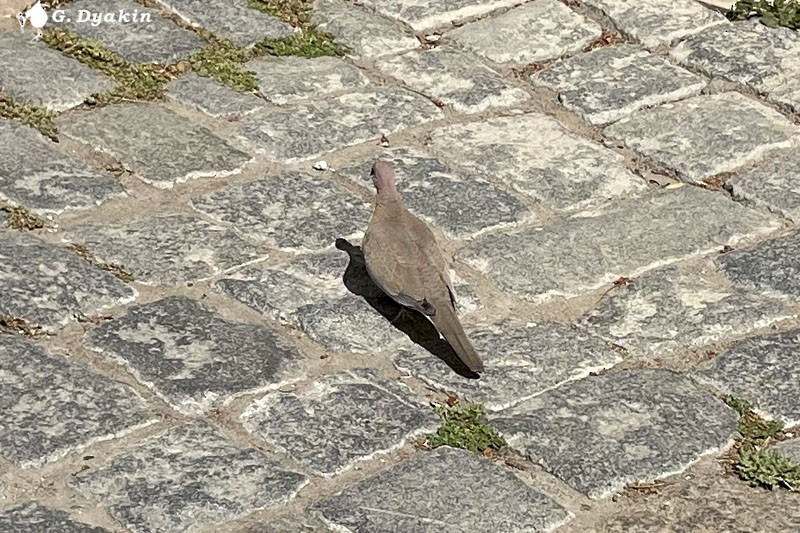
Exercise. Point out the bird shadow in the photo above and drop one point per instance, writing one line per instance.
(415, 326)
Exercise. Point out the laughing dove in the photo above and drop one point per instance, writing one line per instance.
(404, 260)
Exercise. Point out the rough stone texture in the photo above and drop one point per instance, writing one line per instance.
(644, 233)
(292, 211)
(168, 248)
(35, 174)
(185, 478)
(283, 80)
(161, 147)
(522, 360)
(366, 34)
(443, 490)
(33, 73)
(192, 356)
(294, 523)
(533, 32)
(312, 129)
(46, 285)
(766, 59)
(212, 98)
(51, 406)
(611, 82)
(535, 155)
(686, 135)
(35, 518)
(427, 14)
(230, 19)
(789, 448)
(764, 370)
(602, 432)
(774, 184)
(667, 310)
(656, 22)
(772, 266)
(454, 77)
(460, 203)
(339, 420)
(139, 40)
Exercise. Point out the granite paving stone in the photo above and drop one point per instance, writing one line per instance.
(764, 370)
(771, 266)
(294, 523)
(339, 420)
(460, 203)
(33, 73)
(143, 36)
(52, 406)
(522, 360)
(192, 356)
(766, 59)
(366, 34)
(587, 251)
(185, 478)
(230, 19)
(47, 285)
(212, 98)
(167, 248)
(311, 129)
(603, 432)
(293, 211)
(534, 32)
(774, 184)
(283, 80)
(454, 77)
(161, 147)
(444, 490)
(611, 82)
(686, 136)
(789, 449)
(424, 15)
(658, 22)
(668, 310)
(33, 517)
(535, 155)
(36, 174)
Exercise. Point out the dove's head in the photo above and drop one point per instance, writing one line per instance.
(383, 177)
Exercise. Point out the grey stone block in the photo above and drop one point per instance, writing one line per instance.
(771, 266)
(535, 155)
(339, 420)
(161, 147)
(454, 77)
(167, 248)
(36, 518)
(294, 523)
(192, 356)
(292, 211)
(33, 73)
(46, 285)
(611, 82)
(443, 490)
(764, 370)
(601, 433)
(657, 22)
(212, 98)
(774, 184)
(186, 478)
(666, 311)
(312, 129)
(427, 14)
(230, 19)
(522, 360)
(35, 174)
(52, 406)
(645, 233)
(766, 59)
(137, 34)
(686, 136)
(283, 80)
(536, 31)
(460, 203)
(788, 448)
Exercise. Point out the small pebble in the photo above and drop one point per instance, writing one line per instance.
(321, 165)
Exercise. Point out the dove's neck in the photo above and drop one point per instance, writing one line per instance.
(388, 197)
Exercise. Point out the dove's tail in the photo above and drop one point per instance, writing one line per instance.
(446, 321)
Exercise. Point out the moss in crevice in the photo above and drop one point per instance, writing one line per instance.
(37, 117)
(116, 270)
(294, 12)
(309, 42)
(771, 13)
(21, 219)
(464, 426)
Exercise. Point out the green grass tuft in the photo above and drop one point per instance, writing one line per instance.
(37, 117)
(222, 60)
(767, 468)
(309, 43)
(784, 13)
(463, 427)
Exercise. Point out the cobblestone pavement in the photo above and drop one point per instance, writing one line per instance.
(191, 342)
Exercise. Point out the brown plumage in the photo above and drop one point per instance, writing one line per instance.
(404, 260)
